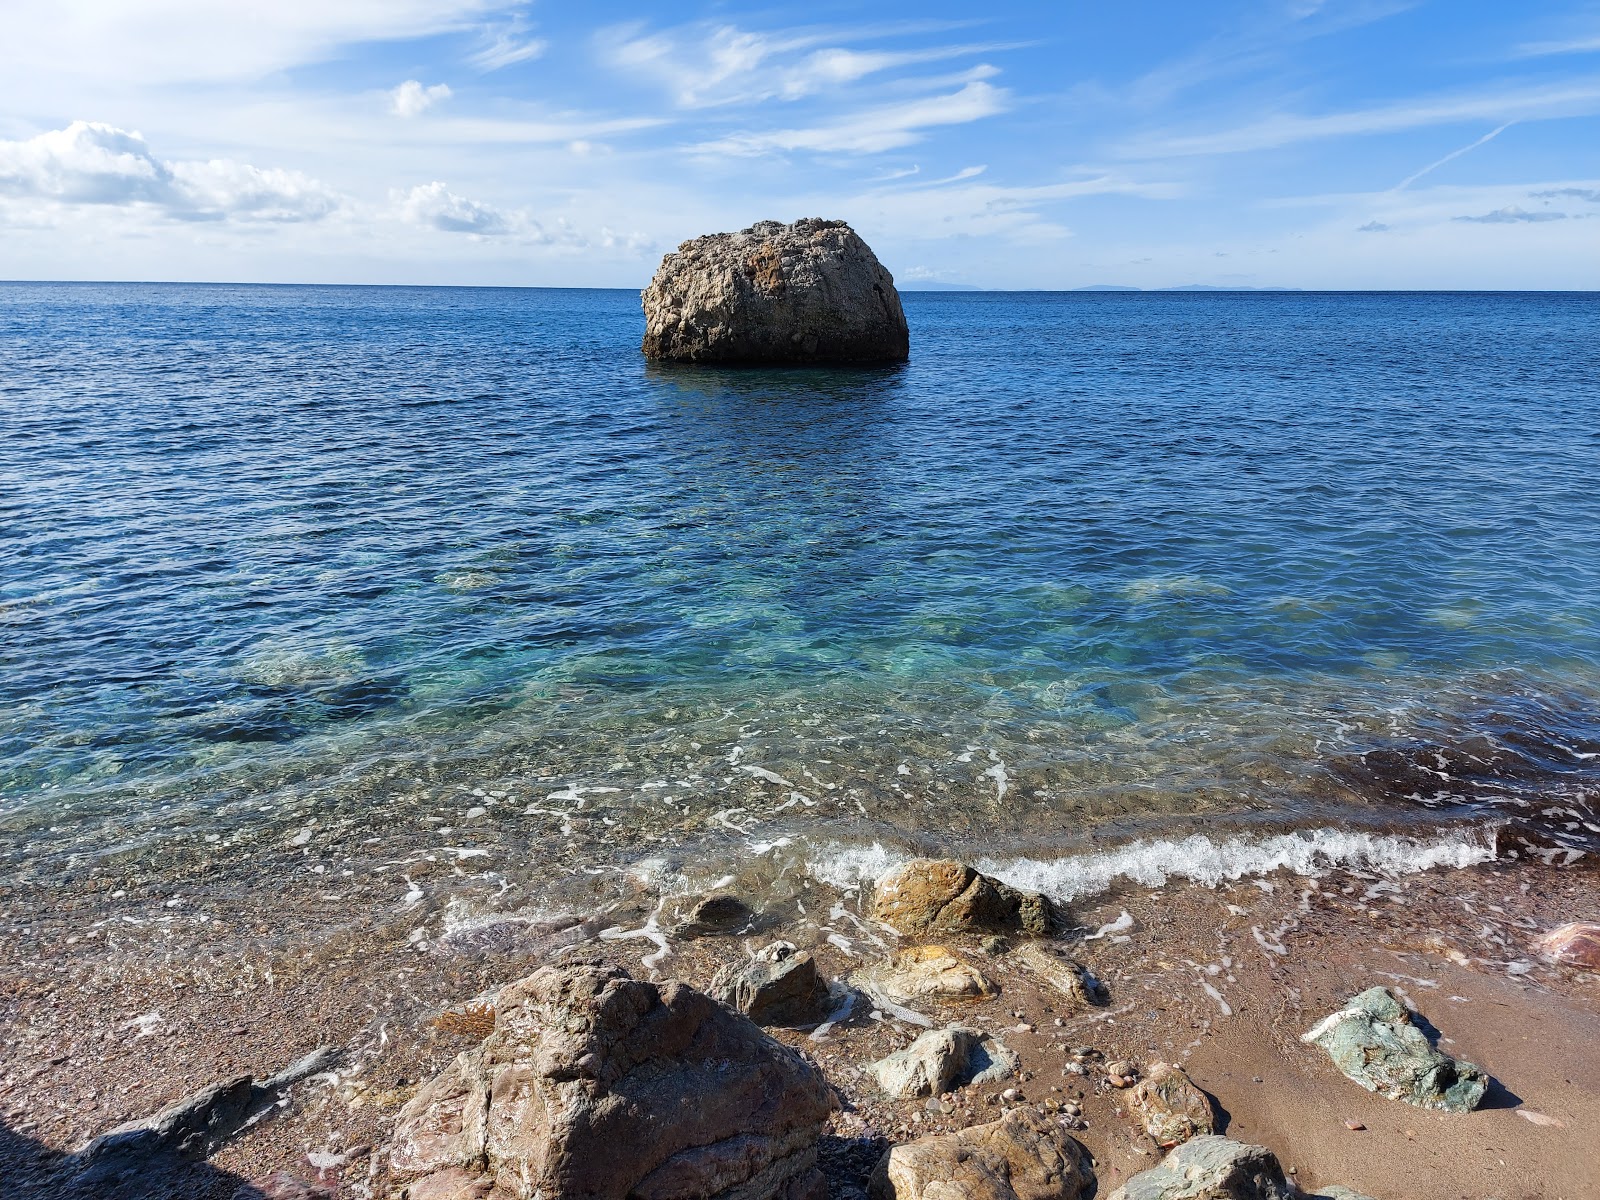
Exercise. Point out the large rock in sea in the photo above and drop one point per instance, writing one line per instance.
(811, 292)
(599, 1086)
(1372, 1040)
(941, 895)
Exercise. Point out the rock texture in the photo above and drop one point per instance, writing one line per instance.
(599, 1086)
(780, 986)
(1063, 973)
(1171, 1107)
(925, 973)
(1211, 1168)
(811, 292)
(942, 1060)
(1373, 1041)
(1023, 1156)
(927, 896)
(1576, 945)
(717, 914)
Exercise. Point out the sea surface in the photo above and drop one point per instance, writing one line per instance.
(1097, 584)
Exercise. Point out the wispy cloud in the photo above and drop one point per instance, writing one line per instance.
(89, 162)
(1523, 104)
(411, 99)
(1592, 195)
(873, 130)
(1513, 215)
(1587, 44)
(506, 43)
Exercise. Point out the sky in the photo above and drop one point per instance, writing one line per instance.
(1153, 143)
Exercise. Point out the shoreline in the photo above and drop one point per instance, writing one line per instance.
(1221, 979)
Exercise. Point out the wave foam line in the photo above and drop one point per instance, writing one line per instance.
(1198, 859)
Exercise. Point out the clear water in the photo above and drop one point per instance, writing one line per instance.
(1088, 565)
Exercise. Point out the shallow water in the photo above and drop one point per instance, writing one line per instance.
(284, 560)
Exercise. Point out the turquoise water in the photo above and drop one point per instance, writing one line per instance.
(1089, 564)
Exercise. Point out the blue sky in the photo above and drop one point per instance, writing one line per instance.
(1297, 143)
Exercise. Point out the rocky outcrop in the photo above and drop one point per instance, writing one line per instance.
(1211, 1168)
(1170, 1106)
(1374, 1042)
(599, 1086)
(928, 896)
(942, 1060)
(924, 973)
(1575, 945)
(811, 292)
(779, 986)
(1023, 1156)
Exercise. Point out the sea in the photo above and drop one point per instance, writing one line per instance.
(1097, 587)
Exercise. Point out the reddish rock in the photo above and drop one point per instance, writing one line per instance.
(1575, 945)
(1171, 1107)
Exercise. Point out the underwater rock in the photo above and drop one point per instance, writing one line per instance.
(924, 973)
(811, 292)
(1575, 945)
(942, 1060)
(1170, 1106)
(1374, 1042)
(1211, 1168)
(928, 895)
(780, 986)
(597, 1085)
(1066, 975)
(1023, 1156)
(718, 913)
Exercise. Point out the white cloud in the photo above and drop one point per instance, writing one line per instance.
(1513, 214)
(1577, 45)
(435, 206)
(872, 130)
(89, 162)
(411, 99)
(1573, 99)
(506, 44)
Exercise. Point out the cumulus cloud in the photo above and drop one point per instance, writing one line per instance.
(90, 162)
(435, 206)
(1513, 215)
(411, 99)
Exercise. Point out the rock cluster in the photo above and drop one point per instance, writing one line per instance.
(585, 1062)
(931, 896)
(810, 292)
(1374, 1042)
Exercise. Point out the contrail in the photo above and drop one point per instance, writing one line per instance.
(1410, 179)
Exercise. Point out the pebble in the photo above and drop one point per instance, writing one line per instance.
(1354, 1125)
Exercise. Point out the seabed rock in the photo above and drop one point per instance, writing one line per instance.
(811, 292)
(1171, 1107)
(1022, 1156)
(599, 1086)
(942, 1060)
(924, 973)
(780, 986)
(1063, 973)
(1374, 1042)
(928, 896)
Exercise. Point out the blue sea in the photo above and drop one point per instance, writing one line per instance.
(367, 568)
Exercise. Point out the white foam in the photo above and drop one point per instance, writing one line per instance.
(1200, 859)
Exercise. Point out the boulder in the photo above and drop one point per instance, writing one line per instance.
(1062, 973)
(942, 1060)
(600, 1086)
(779, 986)
(1211, 1168)
(927, 896)
(1022, 1156)
(1170, 1106)
(811, 292)
(924, 973)
(1374, 1042)
(1575, 945)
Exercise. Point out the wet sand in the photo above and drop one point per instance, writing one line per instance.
(1221, 980)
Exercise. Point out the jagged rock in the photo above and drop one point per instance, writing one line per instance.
(926, 896)
(1170, 1106)
(780, 986)
(942, 1060)
(811, 292)
(1066, 975)
(599, 1086)
(1374, 1042)
(1023, 1156)
(1211, 1168)
(1576, 945)
(192, 1127)
(717, 914)
(924, 973)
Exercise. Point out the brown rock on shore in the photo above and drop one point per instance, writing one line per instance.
(1022, 1156)
(926, 896)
